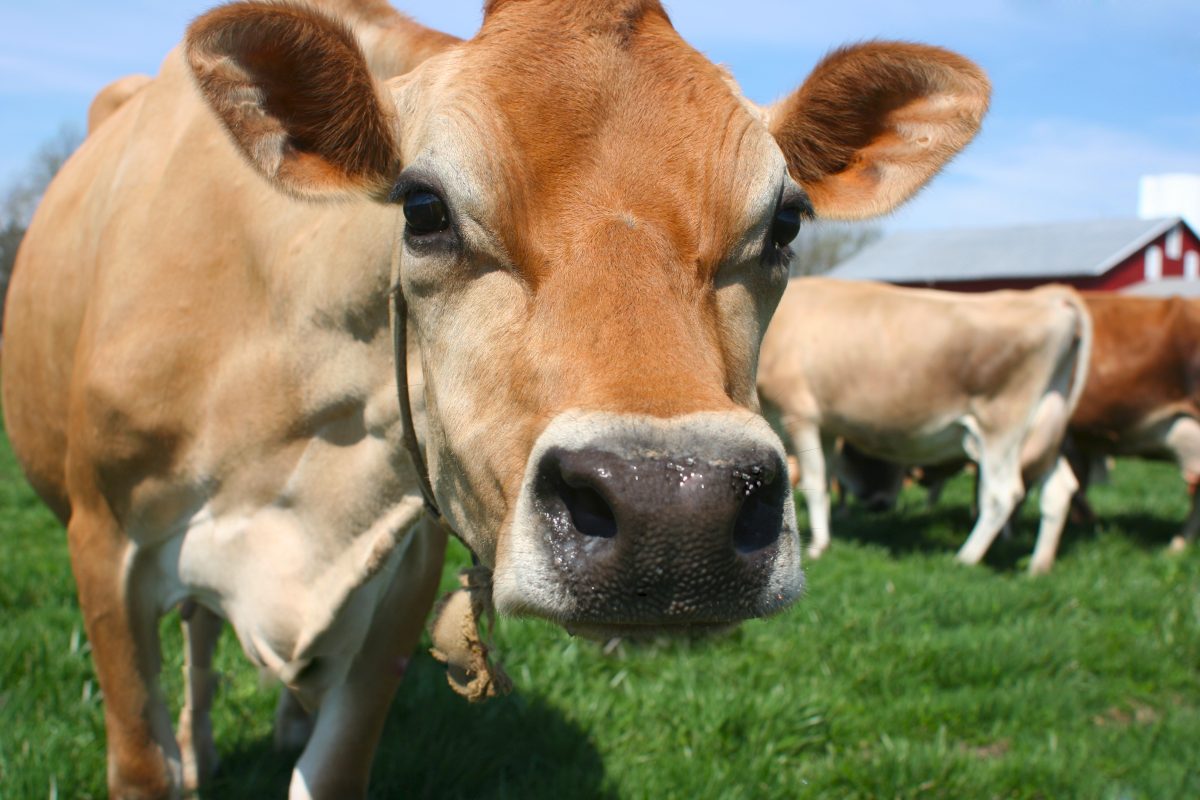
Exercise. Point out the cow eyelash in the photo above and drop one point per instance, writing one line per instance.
(791, 213)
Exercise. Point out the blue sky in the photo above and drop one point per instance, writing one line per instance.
(1088, 94)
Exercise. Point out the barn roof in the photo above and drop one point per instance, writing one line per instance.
(1057, 250)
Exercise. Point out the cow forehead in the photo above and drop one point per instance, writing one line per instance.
(553, 128)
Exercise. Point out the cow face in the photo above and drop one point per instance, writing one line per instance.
(595, 236)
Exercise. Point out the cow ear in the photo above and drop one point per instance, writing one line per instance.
(293, 89)
(875, 121)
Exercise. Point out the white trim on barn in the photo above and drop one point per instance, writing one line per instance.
(1154, 264)
(1175, 243)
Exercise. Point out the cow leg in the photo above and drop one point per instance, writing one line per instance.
(122, 626)
(814, 482)
(336, 763)
(1084, 466)
(1000, 487)
(1183, 439)
(793, 468)
(293, 724)
(198, 752)
(1057, 490)
(934, 493)
(1192, 525)
(1014, 517)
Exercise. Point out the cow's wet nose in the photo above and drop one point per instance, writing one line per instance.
(657, 527)
(629, 523)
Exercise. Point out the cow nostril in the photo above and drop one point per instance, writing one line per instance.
(760, 518)
(590, 514)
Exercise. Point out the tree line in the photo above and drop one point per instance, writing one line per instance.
(20, 199)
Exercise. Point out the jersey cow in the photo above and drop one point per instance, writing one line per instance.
(1143, 389)
(924, 377)
(1141, 399)
(586, 228)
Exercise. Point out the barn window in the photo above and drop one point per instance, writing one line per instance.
(1175, 243)
(1154, 263)
(1191, 265)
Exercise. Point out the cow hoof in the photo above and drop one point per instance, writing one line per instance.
(1178, 545)
(1040, 568)
(198, 772)
(198, 761)
(815, 552)
(157, 788)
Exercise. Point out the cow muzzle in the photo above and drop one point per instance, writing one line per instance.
(639, 525)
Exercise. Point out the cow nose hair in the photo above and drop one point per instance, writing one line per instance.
(610, 502)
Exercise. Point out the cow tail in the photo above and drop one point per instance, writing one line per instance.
(1082, 346)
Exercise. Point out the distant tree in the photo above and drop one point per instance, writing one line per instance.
(22, 196)
(821, 246)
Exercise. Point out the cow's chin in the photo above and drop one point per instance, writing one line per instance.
(650, 633)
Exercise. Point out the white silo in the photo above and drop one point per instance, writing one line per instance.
(1171, 195)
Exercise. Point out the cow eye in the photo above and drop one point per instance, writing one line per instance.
(785, 226)
(425, 213)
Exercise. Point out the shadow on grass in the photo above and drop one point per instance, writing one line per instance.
(915, 527)
(1146, 531)
(437, 745)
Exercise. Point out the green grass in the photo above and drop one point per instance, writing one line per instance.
(900, 674)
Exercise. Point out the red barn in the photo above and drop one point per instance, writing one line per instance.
(1156, 256)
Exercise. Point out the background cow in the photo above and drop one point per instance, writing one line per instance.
(587, 226)
(918, 376)
(1141, 398)
(1143, 389)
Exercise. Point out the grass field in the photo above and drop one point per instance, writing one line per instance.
(901, 674)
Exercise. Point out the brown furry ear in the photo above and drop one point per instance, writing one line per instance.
(875, 121)
(293, 89)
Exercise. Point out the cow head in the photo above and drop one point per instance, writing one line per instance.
(596, 231)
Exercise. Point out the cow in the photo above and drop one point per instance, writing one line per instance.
(332, 283)
(1143, 391)
(918, 376)
(1140, 399)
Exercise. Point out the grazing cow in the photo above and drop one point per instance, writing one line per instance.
(1143, 389)
(918, 376)
(565, 236)
(1142, 398)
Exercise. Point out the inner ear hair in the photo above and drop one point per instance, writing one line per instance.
(293, 89)
(875, 121)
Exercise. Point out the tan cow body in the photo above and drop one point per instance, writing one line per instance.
(1143, 391)
(589, 226)
(918, 376)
